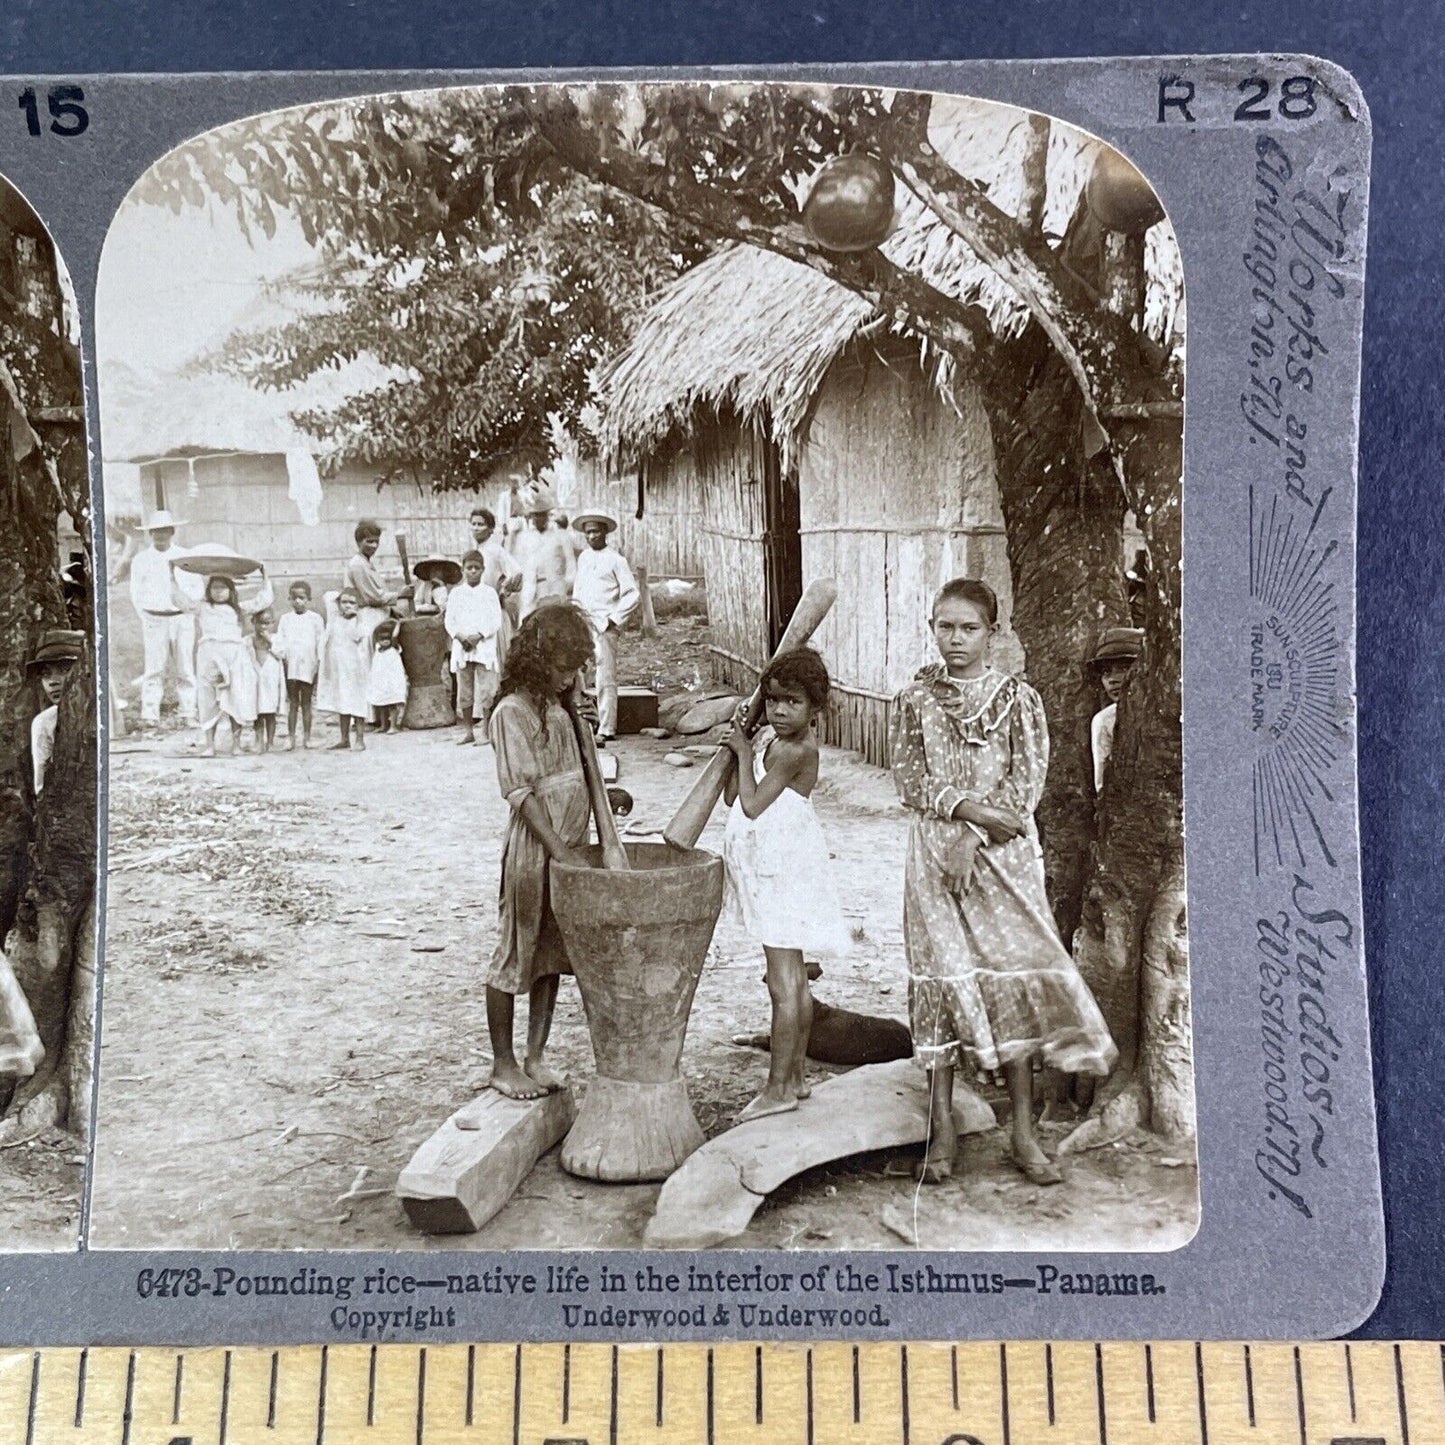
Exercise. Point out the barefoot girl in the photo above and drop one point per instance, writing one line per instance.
(300, 635)
(270, 681)
(346, 670)
(220, 665)
(990, 984)
(386, 686)
(778, 874)
(539, 771)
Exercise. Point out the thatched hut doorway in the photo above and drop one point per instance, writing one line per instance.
(782, 543)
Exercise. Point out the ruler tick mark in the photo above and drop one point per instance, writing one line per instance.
(1003, 1389)
(758, 1382)
(857, 1387)
(1400, 1398)
(612, 1412)
(1049, 1378)
(517, 1391)
(271, 1393)
(371, 1389)
(1249, 1383)
(321, 1400)
(1099, 1390)
(34, 1398)
(125, 1419)
(659, 1389)
(711, 1401)
(1350, 1381)
(420, 1394)
(903, 1381)
(953, 1372)
(225, 1397)
(1199, 1387)
(566, 1386)
(180, 1385)
(1149, 1380)
(472, 1385)
(1299, 1397)
(809, 1373)
(80, 1390)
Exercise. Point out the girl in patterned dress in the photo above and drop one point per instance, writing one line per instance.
(539, 772)
(779, 877)
(991, 985)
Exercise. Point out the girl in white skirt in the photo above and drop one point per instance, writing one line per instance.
(386, 685)
(779, 877)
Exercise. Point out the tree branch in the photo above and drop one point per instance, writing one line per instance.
(900, 295)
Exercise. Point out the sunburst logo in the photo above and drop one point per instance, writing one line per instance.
(1295, 713)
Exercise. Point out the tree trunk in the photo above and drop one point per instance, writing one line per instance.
(1133, 945)
(1064, 518)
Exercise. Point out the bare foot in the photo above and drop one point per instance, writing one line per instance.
(508, 1079)
(1033, 1163)
(540, 1074)
(803, 1089)
(465, 739)
(291, 746)
(766, 1105)
(933, 1171)
(358, 746)
(340, 747)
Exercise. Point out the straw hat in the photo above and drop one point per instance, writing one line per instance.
(595, 514)
(437, 569)
(1118, 644)
(161, 521)
(58, 644)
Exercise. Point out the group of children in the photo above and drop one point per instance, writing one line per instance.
(992, 987)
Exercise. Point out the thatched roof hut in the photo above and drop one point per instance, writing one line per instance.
(813, 438)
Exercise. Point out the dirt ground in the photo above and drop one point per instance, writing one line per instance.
(296, 951)
(40, 1188)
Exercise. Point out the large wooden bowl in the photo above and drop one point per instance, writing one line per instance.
(637, 941)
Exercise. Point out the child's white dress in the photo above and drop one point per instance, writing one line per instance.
(780, 880)
(386, 686)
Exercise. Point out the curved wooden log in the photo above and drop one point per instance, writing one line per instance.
(716, 1192)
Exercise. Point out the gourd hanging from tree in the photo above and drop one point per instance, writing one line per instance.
(850, 206)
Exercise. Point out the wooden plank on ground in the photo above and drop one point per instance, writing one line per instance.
(716, 1191)
(474, 1163)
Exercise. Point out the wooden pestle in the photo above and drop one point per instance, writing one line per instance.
(614, 855)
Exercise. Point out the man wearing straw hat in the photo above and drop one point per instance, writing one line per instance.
(168, 630)
(542, 552)
(605, 589)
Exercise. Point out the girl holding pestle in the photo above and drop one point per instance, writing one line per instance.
(539, 772)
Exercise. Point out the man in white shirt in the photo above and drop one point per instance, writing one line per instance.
(543, 553)
(605, 589)
(167, 628)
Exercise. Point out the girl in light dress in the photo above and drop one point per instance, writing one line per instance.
(346, 670)
(991, 986)
(225, 690)
(779, 876)
(270, 680)
(386, 683)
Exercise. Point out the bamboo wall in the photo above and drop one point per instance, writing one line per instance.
(898, 496)
(243, 502)
(667, 539)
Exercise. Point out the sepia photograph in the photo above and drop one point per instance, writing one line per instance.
(643, 680)
(48, 841)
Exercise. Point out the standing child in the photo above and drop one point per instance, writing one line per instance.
(225, 688)
(298, 641)
(386, 683)
(779, 877)
(1115, 656)
(990, 984)
(345, 671)
(474, 623)
(270, 681)
(539, 771)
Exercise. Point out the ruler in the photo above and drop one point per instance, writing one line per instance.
(1021, 1393)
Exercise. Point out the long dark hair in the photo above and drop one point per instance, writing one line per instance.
(233, 597)
(556, 635)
